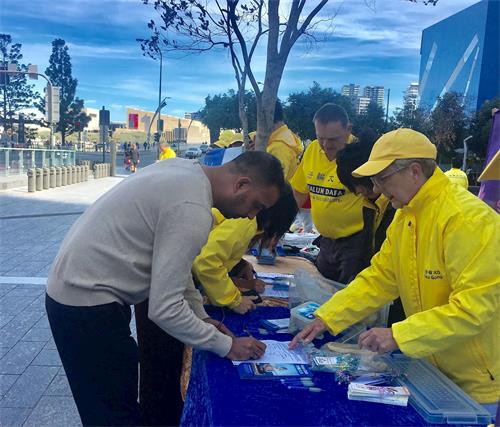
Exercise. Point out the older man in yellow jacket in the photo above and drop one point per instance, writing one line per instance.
(441, 257)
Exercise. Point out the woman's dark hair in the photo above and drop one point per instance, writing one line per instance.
(276, 220)
(353, 156)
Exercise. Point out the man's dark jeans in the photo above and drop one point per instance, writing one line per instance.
(100, 358)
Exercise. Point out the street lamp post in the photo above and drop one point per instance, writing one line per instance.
(33, 74)
(466, 149)
(158, 128)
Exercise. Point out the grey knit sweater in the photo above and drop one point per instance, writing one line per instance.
(139, 241)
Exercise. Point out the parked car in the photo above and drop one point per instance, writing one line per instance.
(193, 153)
(204, 148)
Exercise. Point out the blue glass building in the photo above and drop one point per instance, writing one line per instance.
(461, 54)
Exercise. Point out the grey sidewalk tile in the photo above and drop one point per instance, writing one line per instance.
(54, 411)
(42, 323)
(47, 358)
(29, 387)
(3, 351)
(5, 289)
(19, 357)
(50, 345)
(5, 318)
(59, 387)
(14, 305)
(37, 334)
(26, 268)
(12, 332)
(6, 382)
(38, 305)
(13, 417)
(26, 292)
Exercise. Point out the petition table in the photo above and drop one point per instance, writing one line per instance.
(216, 395)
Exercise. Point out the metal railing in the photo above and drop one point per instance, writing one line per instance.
(16, 161)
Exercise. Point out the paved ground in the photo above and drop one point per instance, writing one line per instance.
(33, 386)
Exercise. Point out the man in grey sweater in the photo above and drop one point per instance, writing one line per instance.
(139, 241)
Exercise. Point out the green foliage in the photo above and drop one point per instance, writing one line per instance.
(60, 74)
(408, 117)
(301, 106)
(17, 94)
(480, 127)
(221, 112)
(373, 118)
(448, 122)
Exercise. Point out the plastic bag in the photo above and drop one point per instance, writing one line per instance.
(311, 287)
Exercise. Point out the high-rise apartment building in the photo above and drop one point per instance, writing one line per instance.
(411, 96)
(361, 104)
(351, 90)
(375, 93)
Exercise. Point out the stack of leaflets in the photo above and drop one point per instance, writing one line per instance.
(278, 361)
(371, 393)
(256, 371)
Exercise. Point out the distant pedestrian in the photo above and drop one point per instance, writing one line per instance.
(456, 175)
(135, 157)
(145, 145)
(166, 152)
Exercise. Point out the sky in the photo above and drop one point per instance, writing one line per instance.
(366, 42)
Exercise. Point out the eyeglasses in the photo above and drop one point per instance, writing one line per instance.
(379, 181)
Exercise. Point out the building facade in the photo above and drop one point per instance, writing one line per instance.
(351, 90)
(411, 96)
(461, 54)
(375, 94)
(174, 128)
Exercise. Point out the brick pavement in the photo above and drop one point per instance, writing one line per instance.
(33, 386)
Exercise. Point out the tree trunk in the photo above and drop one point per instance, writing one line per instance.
(242, 112)
(267, 102)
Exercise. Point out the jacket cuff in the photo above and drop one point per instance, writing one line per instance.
(236, 302)
(400, 332)
(221, 344)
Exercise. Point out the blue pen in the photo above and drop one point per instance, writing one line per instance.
(312, 389)
(299, 384)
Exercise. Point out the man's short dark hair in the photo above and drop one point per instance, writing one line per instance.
(456, 162)
(276, 220)
(331, 113)
(278, 112)
(353, 156)
(261, 167)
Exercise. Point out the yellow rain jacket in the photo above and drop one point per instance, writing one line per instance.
(287, 148)
(458, 177)
(441, 257)
(167, 154)
(227, 243)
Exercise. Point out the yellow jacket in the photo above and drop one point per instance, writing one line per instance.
(458, 177)
(287, 148)
(167, 154)
(227, 243)
(441, 257)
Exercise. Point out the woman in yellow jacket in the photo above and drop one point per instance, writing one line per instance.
(441, 257)
(228, 242)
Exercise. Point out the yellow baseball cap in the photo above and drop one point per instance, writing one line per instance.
(401, 143)
(492, 170)
(225, 138)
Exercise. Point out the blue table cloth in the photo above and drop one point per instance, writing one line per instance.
(218, 397)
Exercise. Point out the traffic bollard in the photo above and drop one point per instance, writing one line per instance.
(38, 179)
(58, 177)
(52, 177)
(31, 181)
(73, 174)
(64, 176)
(78, 174)
(45, 172)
